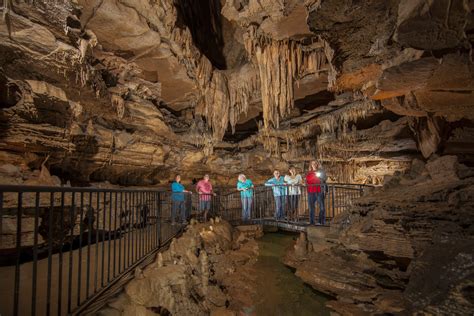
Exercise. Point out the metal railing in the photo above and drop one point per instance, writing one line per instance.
(62, 249)
(294, 201)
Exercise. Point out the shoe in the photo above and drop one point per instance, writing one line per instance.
(173, 223)
(185, 223)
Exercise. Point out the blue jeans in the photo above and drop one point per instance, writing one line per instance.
(316, 197)
(205, 205)
(279, 206)
(292, 209)
(246, 207)
(178, 206)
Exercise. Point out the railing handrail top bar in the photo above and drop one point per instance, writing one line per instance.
(39, 188)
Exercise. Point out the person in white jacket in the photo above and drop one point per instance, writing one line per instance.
(293, 180)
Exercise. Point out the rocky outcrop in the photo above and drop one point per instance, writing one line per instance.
(132, 92)
(403, 248)
(203, 272)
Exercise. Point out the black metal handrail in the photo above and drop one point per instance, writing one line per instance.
(62, 248)
(65, 245)
(336, 197)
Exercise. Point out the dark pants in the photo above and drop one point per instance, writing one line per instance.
(279, 206)
(293, 201)
(313, 198)
(178, 206)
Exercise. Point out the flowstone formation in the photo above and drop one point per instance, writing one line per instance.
(207, 270)
(405, 248)
(133, 92)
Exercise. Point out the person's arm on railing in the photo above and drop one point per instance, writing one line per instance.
(270, 182)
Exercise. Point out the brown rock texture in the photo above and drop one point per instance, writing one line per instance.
(204, 271)
(132, 92)
(404, 248)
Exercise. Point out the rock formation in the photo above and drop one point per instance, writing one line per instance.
(407, 247)
(203, 272)
(132, 92)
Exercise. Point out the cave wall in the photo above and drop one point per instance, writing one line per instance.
(132, 92)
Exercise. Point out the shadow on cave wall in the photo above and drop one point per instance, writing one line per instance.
(78, 165)
(9, 96)
(203, 19)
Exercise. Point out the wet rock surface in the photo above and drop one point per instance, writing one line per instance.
(403, 248)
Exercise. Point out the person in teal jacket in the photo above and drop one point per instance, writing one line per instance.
(278, 185)
(178, 200)
(245, 187)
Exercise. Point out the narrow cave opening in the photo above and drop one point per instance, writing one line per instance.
(9, 93)
(203, 18)
(311, 102)
(375, 119)
(243, 130)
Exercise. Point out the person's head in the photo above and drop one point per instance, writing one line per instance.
(242, 177)
(177, 178)
(276, 174)
(315, 165)
(206, 177)
(292, 170)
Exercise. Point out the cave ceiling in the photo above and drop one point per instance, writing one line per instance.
(134, 91)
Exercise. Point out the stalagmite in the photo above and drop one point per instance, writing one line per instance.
(204, 270)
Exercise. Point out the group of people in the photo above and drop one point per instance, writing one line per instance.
(287, 191)
(178, 198)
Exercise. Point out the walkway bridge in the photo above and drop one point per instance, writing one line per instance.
(65, 250)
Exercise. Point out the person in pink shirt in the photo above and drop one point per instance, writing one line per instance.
(204, 189)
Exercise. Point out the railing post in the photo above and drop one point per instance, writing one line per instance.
(333, 201)
(159, 219)
(16, 299)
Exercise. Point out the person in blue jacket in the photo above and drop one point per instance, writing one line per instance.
(245, 187)
(279, 193)
(178, 200)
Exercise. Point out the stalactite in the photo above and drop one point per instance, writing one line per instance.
(281, 64)
(225, 95)
(119, 105)
(332, 71)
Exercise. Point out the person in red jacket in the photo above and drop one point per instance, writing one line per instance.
(315, 187)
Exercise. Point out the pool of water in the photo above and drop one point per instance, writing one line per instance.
(280, 292)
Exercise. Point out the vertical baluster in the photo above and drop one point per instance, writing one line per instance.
(35, 254)
(109, 239)
(132, 218)
(72, 223)
(129, 226)
(102, 243)
(79, 260)
(90, 225)
(61, 245)
(141, 227)
(50, 253)
(115, 235)
(121, 234)
(159, 216)
(16, 291)
(1, 217)
(96, 243)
